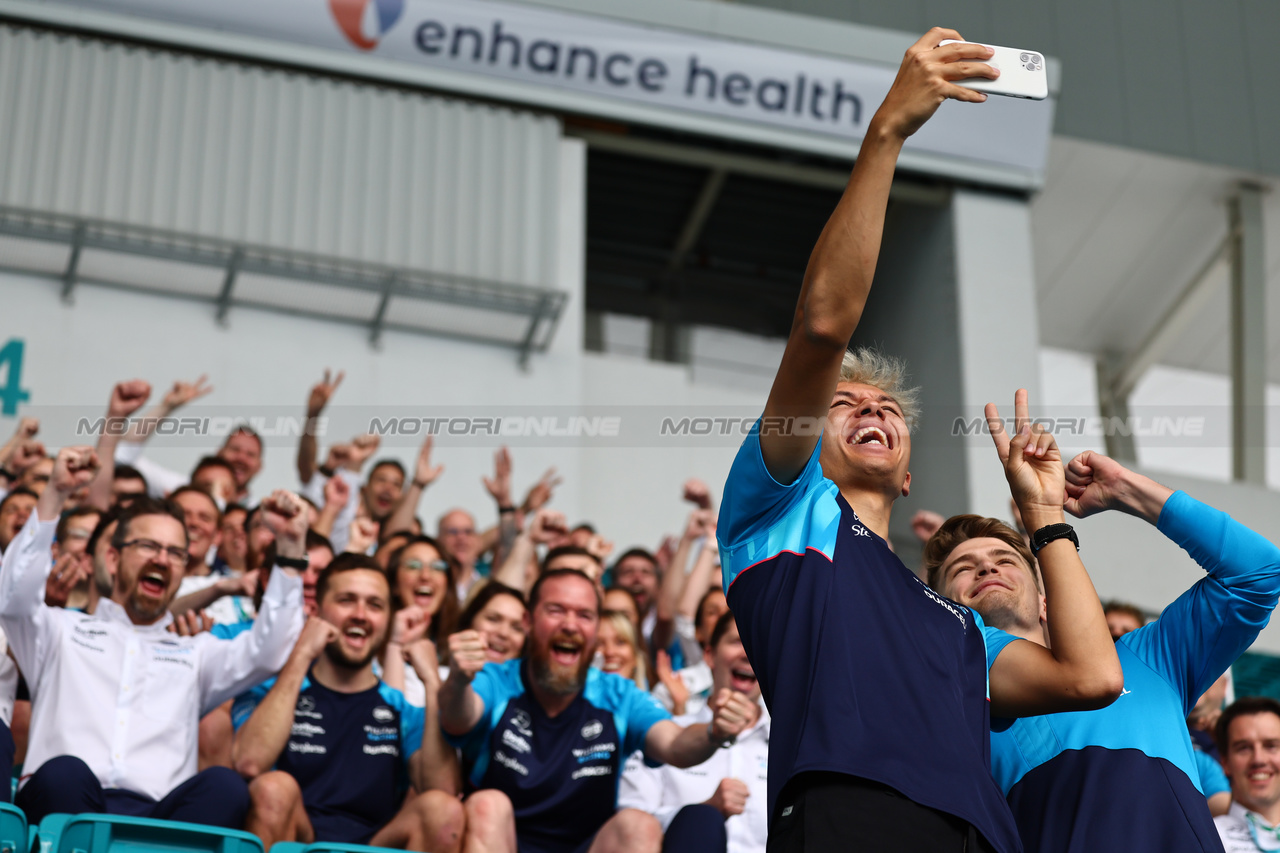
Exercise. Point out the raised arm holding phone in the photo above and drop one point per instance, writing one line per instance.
(877, 686)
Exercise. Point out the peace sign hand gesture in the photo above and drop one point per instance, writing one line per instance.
(1032, 464)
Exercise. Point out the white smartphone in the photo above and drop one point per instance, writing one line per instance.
(1022, 73)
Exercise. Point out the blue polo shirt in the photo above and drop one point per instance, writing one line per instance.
(562, 772)
(349, 753)
(1125, 777)
(865, 670)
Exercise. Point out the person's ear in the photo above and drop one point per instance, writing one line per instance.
(906, 485)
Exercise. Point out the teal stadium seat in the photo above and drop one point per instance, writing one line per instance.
(13, 830)
(102, 833)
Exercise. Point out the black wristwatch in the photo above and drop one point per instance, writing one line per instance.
(1052, 532)
(299, 563)
(326, 470)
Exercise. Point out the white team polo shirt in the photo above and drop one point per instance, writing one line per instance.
(125, 698)
(1243, 831)
(663, 791)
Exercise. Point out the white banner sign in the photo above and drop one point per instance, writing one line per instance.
(621, 61)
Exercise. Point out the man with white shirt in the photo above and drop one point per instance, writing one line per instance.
(1248, 735)
(722, 801)
(116, 698)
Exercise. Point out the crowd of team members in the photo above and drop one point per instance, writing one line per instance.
(314, 666)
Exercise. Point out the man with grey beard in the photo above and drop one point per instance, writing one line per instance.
(544, 737)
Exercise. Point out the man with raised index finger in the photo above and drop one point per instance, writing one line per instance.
(877, 686)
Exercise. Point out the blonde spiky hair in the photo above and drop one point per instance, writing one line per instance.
(871, 367)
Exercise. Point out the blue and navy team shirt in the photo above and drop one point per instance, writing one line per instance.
(349, 753)
(1125, 777)
(865, 670)
(561, 772)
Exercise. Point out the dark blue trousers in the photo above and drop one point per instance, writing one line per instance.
(214, 797)
(696, 829)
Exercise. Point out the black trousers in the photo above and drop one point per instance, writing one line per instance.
(819, 812)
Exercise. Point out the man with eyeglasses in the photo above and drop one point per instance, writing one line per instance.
(116, 698)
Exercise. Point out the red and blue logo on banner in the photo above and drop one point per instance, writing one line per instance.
(364, 22)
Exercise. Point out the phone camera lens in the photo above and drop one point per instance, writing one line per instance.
(1026, 57)
(1031, 66)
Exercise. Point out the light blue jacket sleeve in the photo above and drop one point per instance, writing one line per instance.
(1202, 633)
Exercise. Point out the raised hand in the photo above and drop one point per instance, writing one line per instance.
(69, 570)
(733, 713)
(499, 486)
(286, 515)
(320, 393)
(696, 492)
(27, 429)
(674, 683)
(363, 533)
(927, 77)
(1032, 464)
(424, 473)
(925, 523)
(599, 547)
(540, 494)
(548, 526)
(466, 654)
(336, 492)
(183, 393)
(73, 469)
(339, 456)
(362, 447)
(316, 634)
(409, 625)
(127, 397)
(730, 797)
(701, 523)
(1096, 483)
(25, 455)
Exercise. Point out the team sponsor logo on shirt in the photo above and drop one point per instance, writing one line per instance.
(513, 740)
(859, 530)
(596, 770)
(521, 722)
(952, 608)
(307, 708)
(380, 733)
(594, 752)
(510, 763)
(383, 714)
(592, 730)
(381, 749)
(306, 730)
(307, 748)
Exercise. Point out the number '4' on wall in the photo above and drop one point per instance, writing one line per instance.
(11, 392)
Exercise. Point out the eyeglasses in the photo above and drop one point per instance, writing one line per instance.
(418, 565)
(458, 531)
(150, 549)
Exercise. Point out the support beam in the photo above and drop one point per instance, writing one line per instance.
(1248, 338)
(530, 335)
(380, 316)
(669, 336)
(1114, 408)
(73, 264)
(228, 285)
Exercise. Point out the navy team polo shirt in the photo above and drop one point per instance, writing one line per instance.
(562, 772)
(349, 753)
(865, 670)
